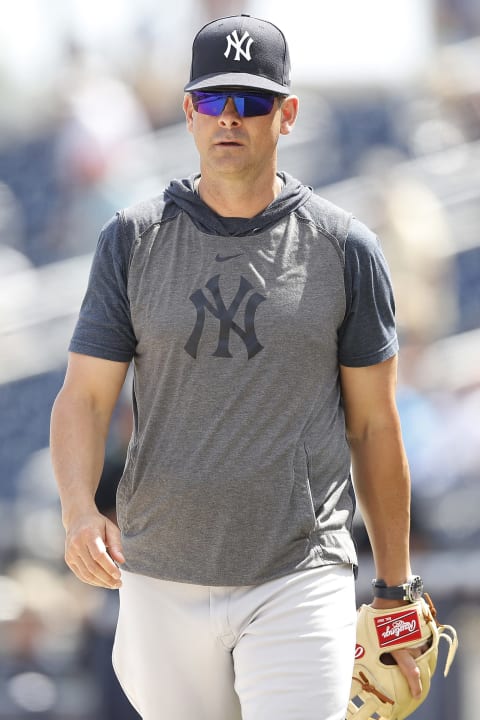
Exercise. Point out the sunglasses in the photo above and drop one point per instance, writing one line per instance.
(247, 103)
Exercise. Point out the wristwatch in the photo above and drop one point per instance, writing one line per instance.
(411, 590)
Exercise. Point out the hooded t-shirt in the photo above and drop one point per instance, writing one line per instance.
(238, 468)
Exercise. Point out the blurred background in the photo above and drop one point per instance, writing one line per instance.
(90, 121)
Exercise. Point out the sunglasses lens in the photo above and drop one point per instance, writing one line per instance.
(247, 104)
(250, 105)
(209, 103)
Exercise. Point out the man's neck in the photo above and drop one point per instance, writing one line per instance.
(235, 199)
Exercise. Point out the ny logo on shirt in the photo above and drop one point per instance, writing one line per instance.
(226, 318)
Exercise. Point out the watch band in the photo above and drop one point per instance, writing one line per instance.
(411, 590)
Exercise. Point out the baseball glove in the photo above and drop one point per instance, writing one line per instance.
(379, 690)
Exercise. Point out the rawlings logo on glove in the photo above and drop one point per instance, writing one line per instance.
(379, 689)
(392, 630)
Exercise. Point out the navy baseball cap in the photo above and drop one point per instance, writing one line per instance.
(240, 51)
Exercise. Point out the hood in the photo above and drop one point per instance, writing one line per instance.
(182, 194)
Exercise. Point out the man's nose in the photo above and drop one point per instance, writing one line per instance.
(229, 116)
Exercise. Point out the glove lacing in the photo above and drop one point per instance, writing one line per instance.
(368, 687)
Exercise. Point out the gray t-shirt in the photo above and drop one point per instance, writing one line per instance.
(238, 469)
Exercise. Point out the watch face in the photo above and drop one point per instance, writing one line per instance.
(415, 588)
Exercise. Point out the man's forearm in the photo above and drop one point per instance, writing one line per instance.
(382, 485)
(77, 441)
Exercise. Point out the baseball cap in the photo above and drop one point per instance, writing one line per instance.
(243, 51)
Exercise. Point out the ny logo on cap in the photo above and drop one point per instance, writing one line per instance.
(235, 42)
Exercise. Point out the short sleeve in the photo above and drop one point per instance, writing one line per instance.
(104, 327)
(368, 334)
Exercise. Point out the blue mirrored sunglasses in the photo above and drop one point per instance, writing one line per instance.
(247, 103)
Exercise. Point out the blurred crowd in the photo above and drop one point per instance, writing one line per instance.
(104, 130)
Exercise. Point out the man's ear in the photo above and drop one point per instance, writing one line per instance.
(289, 110)
(188, 110)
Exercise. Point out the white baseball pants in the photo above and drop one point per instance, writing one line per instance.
(282, 650)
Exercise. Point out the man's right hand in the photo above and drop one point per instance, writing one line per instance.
(92, 550)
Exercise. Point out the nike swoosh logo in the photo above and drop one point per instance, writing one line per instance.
(223, 258)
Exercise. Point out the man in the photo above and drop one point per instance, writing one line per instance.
(259, 320)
